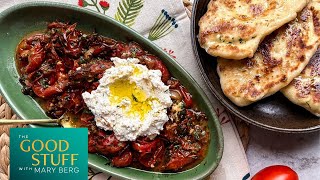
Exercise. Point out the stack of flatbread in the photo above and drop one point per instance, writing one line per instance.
(263, 47)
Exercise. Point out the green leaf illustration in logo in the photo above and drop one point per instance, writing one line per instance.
(128, 10)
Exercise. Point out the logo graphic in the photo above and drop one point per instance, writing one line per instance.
(48, 153)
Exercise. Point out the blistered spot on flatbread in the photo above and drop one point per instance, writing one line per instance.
(304, 90)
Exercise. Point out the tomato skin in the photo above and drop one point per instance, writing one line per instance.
(123, 160)
(151, 159)
(178, 162)
(144, 146)
(86, 118)
(187, 97)
(108, 144)
(91, 144)
(276, 172)
(159, 65)
(35, 58)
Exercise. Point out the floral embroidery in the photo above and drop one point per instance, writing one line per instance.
(223, 115)
(170, 52)
(164, 25)
(82, 3)
(102, 5)
(128, 10)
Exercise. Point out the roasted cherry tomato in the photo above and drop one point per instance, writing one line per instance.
(123, 160)
(91, 144)
(159, 65)
(276, 172)
(35, 58)
(187, 97)
(86, 118)
(153, 159)
(109, 144)
(144, 146)
(178, 162)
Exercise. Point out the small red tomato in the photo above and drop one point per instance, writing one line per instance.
(122, 160)
(276, 172)
(187, 97)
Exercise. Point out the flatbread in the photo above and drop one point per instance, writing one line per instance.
(233, 29)
(280, 58)
(304, 90)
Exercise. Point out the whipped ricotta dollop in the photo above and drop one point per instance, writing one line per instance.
(131, 100)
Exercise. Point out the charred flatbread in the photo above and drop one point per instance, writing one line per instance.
(279, 59)
(304, 90)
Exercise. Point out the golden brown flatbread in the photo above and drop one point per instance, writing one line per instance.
(233, 29)
(280, 58)
(304, 90)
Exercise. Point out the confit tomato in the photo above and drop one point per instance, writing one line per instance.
(187, 97)
(276, 172)
(123, 160)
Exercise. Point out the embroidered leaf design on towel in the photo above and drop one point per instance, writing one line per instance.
(163, 26)
(128, 10)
